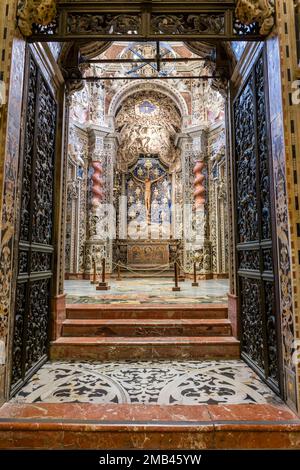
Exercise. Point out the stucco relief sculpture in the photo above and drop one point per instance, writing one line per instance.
(31, 12)
(256, 11)
(148, 123)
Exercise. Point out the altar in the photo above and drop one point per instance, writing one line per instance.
(145, 253)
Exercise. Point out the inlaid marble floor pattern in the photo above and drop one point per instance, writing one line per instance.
(151, 382)
(148, 290)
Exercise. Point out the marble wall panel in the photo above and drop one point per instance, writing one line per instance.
(9, 193)
(286, 155)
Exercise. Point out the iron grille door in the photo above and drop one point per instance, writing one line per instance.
(256, 253)
(35, 249)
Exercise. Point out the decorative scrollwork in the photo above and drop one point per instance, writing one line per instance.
(268, 260)
(255, 251)
(188, 24)
(36, 222)
(246, 165)
(106, 23)
(44, 167)
(41, 17)
(254, 16)
(23, 262)
(18, 333)
(270, 307)
(251, 319)
(262, 142)
(38, 318)
(28, 152)
(41, 261)
(34, 15)
(249, 260)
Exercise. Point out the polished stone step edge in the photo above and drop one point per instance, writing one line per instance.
(141, 348)
(91, 311)
(52, 426)
(144, 327)
(148, 340)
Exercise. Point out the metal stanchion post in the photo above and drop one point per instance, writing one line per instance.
(94, 280)
(103, 285)
(176, 288)
(118, 278)
(195, 283)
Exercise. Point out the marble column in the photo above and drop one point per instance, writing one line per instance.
(123, 209)
(97, 183)
(199, 200)
(185, 144)
(95, 246)
(196, 244)
(102, 150)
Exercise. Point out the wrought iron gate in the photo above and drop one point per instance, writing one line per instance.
(35, 250)
(256, 253)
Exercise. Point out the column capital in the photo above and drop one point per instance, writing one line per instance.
(182, 139)
(113, 137)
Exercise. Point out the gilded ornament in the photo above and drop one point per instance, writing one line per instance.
(256, 11)
(30, 12)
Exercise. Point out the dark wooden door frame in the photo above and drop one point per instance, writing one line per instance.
(28, 247)
(277, 387)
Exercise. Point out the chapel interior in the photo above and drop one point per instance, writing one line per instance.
(146, 184)
(149, 231)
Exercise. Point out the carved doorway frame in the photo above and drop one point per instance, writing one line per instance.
(45, 34)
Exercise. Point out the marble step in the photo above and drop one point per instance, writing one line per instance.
(152, 327)
(144, 348)
(144, 311)
(130, 426)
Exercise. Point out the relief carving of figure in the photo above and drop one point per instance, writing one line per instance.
(72, 189)
(148, 123)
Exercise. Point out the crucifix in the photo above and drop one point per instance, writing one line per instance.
(148, 184)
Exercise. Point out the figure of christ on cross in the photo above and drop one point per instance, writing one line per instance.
(148, 184)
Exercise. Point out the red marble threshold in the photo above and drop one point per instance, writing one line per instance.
(144, 348)
(144, 327)
(144, 311)
(90, 426)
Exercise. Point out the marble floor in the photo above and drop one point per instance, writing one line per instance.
(147, 383)
(148, 290)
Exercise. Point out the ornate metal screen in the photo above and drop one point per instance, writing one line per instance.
(256, 253)
(32, 302)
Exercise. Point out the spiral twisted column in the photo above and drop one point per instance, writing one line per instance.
(199, 189)
(97, 186)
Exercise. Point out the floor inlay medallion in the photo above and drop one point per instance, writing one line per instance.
(149, 382)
